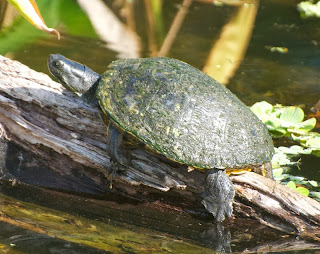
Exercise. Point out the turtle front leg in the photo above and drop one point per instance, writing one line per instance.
(218, 194)
(118, 157)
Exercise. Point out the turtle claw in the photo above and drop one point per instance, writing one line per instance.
(114, 169)
(219, 211)
(110, 177)
(218, 194)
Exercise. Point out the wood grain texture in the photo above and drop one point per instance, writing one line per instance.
(69, 137)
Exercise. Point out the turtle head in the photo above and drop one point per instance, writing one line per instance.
(72, 75)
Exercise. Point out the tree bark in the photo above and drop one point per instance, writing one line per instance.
(64, 143)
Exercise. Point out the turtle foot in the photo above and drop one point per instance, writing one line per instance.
(218, 195)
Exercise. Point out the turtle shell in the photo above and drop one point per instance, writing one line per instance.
(182, 113)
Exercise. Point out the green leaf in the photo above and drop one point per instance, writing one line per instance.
(281, 157)
(288, 121)
(296, 179)
(286, 176)
(291, 150)
(314, 142)
(308, 125)
(262, 110)
(291, 185)
(315, 194)
(279, 178)
(292, 115)
(313, 183)
(274, 126)
(307, 9)
(310, 140)
(277, 172)
(303, 191)
(304, 127)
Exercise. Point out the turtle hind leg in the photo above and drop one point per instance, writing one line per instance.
(118, 157)
(218, 194)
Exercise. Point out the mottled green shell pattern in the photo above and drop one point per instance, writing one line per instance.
(183, 113)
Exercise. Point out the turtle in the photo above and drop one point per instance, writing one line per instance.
(179, 112)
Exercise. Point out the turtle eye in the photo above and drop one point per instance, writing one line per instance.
(58, 64)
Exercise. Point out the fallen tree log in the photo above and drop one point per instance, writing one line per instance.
(68, 137)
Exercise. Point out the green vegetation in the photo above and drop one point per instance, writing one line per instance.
(309, 9)
(289, 122)
(284, 121)
(57, 14)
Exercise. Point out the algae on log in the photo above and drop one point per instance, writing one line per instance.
(69, 137)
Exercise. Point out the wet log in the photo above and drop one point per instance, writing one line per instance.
(63, 143)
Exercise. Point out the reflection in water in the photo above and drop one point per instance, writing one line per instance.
(174, 29)
(218, 238)
(228, 51)
(3, 6)
(110, 29)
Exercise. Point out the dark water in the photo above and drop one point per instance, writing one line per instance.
(288, 79)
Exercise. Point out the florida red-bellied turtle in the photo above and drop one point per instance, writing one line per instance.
(177, 111)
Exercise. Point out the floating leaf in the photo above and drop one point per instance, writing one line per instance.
(30, 10)
(295, 149)
(307, 9)
(313, 183)
(310, 140)
(304, 126)
(291, 150)
(292, 115)
(277, 172)
(273, 49)
(303, 191)
(285, 176)
(314, 142)
(296, 179)
(302, 139)
(291, 185)
(315, 194)
(281, 156)
(279, 178)
(288, 121)
(262, 110)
